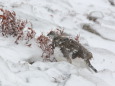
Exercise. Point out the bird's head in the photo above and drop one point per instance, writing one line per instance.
(52, 34)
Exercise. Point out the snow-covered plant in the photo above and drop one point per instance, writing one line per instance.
(30, 34)
(45, 44)
(11, 26)
(26, 34)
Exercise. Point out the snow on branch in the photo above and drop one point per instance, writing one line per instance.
(11, 26)
(45, 45)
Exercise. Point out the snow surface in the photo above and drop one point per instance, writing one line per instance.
(46, 15)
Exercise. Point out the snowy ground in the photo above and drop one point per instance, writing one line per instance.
(70, 15)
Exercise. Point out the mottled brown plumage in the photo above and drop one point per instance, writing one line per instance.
(70, 46)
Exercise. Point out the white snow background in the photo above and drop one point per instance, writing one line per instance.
(47, 15)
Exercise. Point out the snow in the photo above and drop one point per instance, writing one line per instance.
(96, 14)
(69, 15)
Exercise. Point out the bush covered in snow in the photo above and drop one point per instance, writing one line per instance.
(11, 26)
